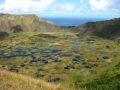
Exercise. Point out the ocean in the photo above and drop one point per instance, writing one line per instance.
(71, 21)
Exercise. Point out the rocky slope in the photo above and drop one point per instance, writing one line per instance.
(26, 22)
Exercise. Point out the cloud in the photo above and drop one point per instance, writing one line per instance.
(67, 7)
(25, 5)
(103, 5)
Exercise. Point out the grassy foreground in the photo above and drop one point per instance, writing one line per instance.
(12, 81)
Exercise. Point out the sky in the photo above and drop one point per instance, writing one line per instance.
(63, 8)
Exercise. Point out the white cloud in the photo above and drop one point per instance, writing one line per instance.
(67, 7)
(101, 5)
(25, 5)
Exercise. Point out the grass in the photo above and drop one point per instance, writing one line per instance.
(12, 81)
(106, 78)
(79, 77)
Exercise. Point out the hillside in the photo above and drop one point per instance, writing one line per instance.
(109, 29)
(12, 81)
(67, 57)
(25, 22)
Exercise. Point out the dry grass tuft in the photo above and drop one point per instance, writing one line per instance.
(12, 81)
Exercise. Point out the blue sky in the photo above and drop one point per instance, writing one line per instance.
(63, 8)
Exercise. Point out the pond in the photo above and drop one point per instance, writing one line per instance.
(106, 58)
(20, 52)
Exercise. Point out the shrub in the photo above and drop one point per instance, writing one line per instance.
(3, 35)
(17, 29)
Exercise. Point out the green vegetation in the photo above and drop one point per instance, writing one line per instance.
(3, 35)
(107, 29)
(91, 72)
(17, 29)
(61, 59)
(26, 22)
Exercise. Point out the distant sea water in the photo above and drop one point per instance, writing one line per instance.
(72, 21)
